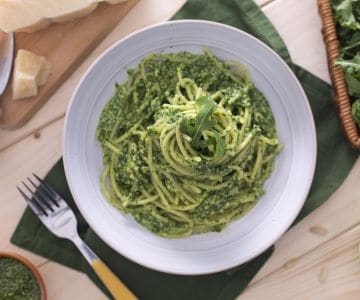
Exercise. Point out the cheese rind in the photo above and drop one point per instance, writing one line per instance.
(30, 71)
(32, 15)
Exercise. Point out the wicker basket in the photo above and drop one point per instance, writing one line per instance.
(342, 99)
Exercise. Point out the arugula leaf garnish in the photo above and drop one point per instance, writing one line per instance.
(194, 127)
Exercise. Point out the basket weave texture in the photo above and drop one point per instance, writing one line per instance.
(342, 99)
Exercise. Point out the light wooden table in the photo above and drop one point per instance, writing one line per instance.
(317, 259)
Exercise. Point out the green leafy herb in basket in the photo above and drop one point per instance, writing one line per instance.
(347, 18)
(356, 111)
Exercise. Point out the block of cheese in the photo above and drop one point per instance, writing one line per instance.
(32, 15)
(30, 71)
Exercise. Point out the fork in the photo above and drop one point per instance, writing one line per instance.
(57, 216)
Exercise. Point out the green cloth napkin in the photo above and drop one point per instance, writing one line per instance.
(335, 159)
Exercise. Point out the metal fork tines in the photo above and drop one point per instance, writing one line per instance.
(44, 200)
(49, 206)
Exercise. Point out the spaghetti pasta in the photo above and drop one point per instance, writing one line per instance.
(188, 142)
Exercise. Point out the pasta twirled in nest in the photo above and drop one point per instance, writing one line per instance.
(188, 142)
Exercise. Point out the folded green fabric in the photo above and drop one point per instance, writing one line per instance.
(335, 159)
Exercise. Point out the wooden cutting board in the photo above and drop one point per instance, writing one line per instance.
(65, 45)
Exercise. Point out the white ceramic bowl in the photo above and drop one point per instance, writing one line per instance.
(286, 190)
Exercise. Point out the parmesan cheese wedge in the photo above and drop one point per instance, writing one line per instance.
(30, 71)
(32, 15)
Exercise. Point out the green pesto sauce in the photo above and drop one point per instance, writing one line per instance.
(17, 281)
(132, 171)
(121, 107)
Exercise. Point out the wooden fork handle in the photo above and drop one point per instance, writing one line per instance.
(111, 281)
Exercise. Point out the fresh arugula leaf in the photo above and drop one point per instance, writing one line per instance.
(351, 68)
(353, 84)
(350, 41)
(356, 111)
(195, 127)
(347, 17)
(347, 13)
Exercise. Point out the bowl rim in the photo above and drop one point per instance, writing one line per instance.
(312, 163)
(31, 267)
